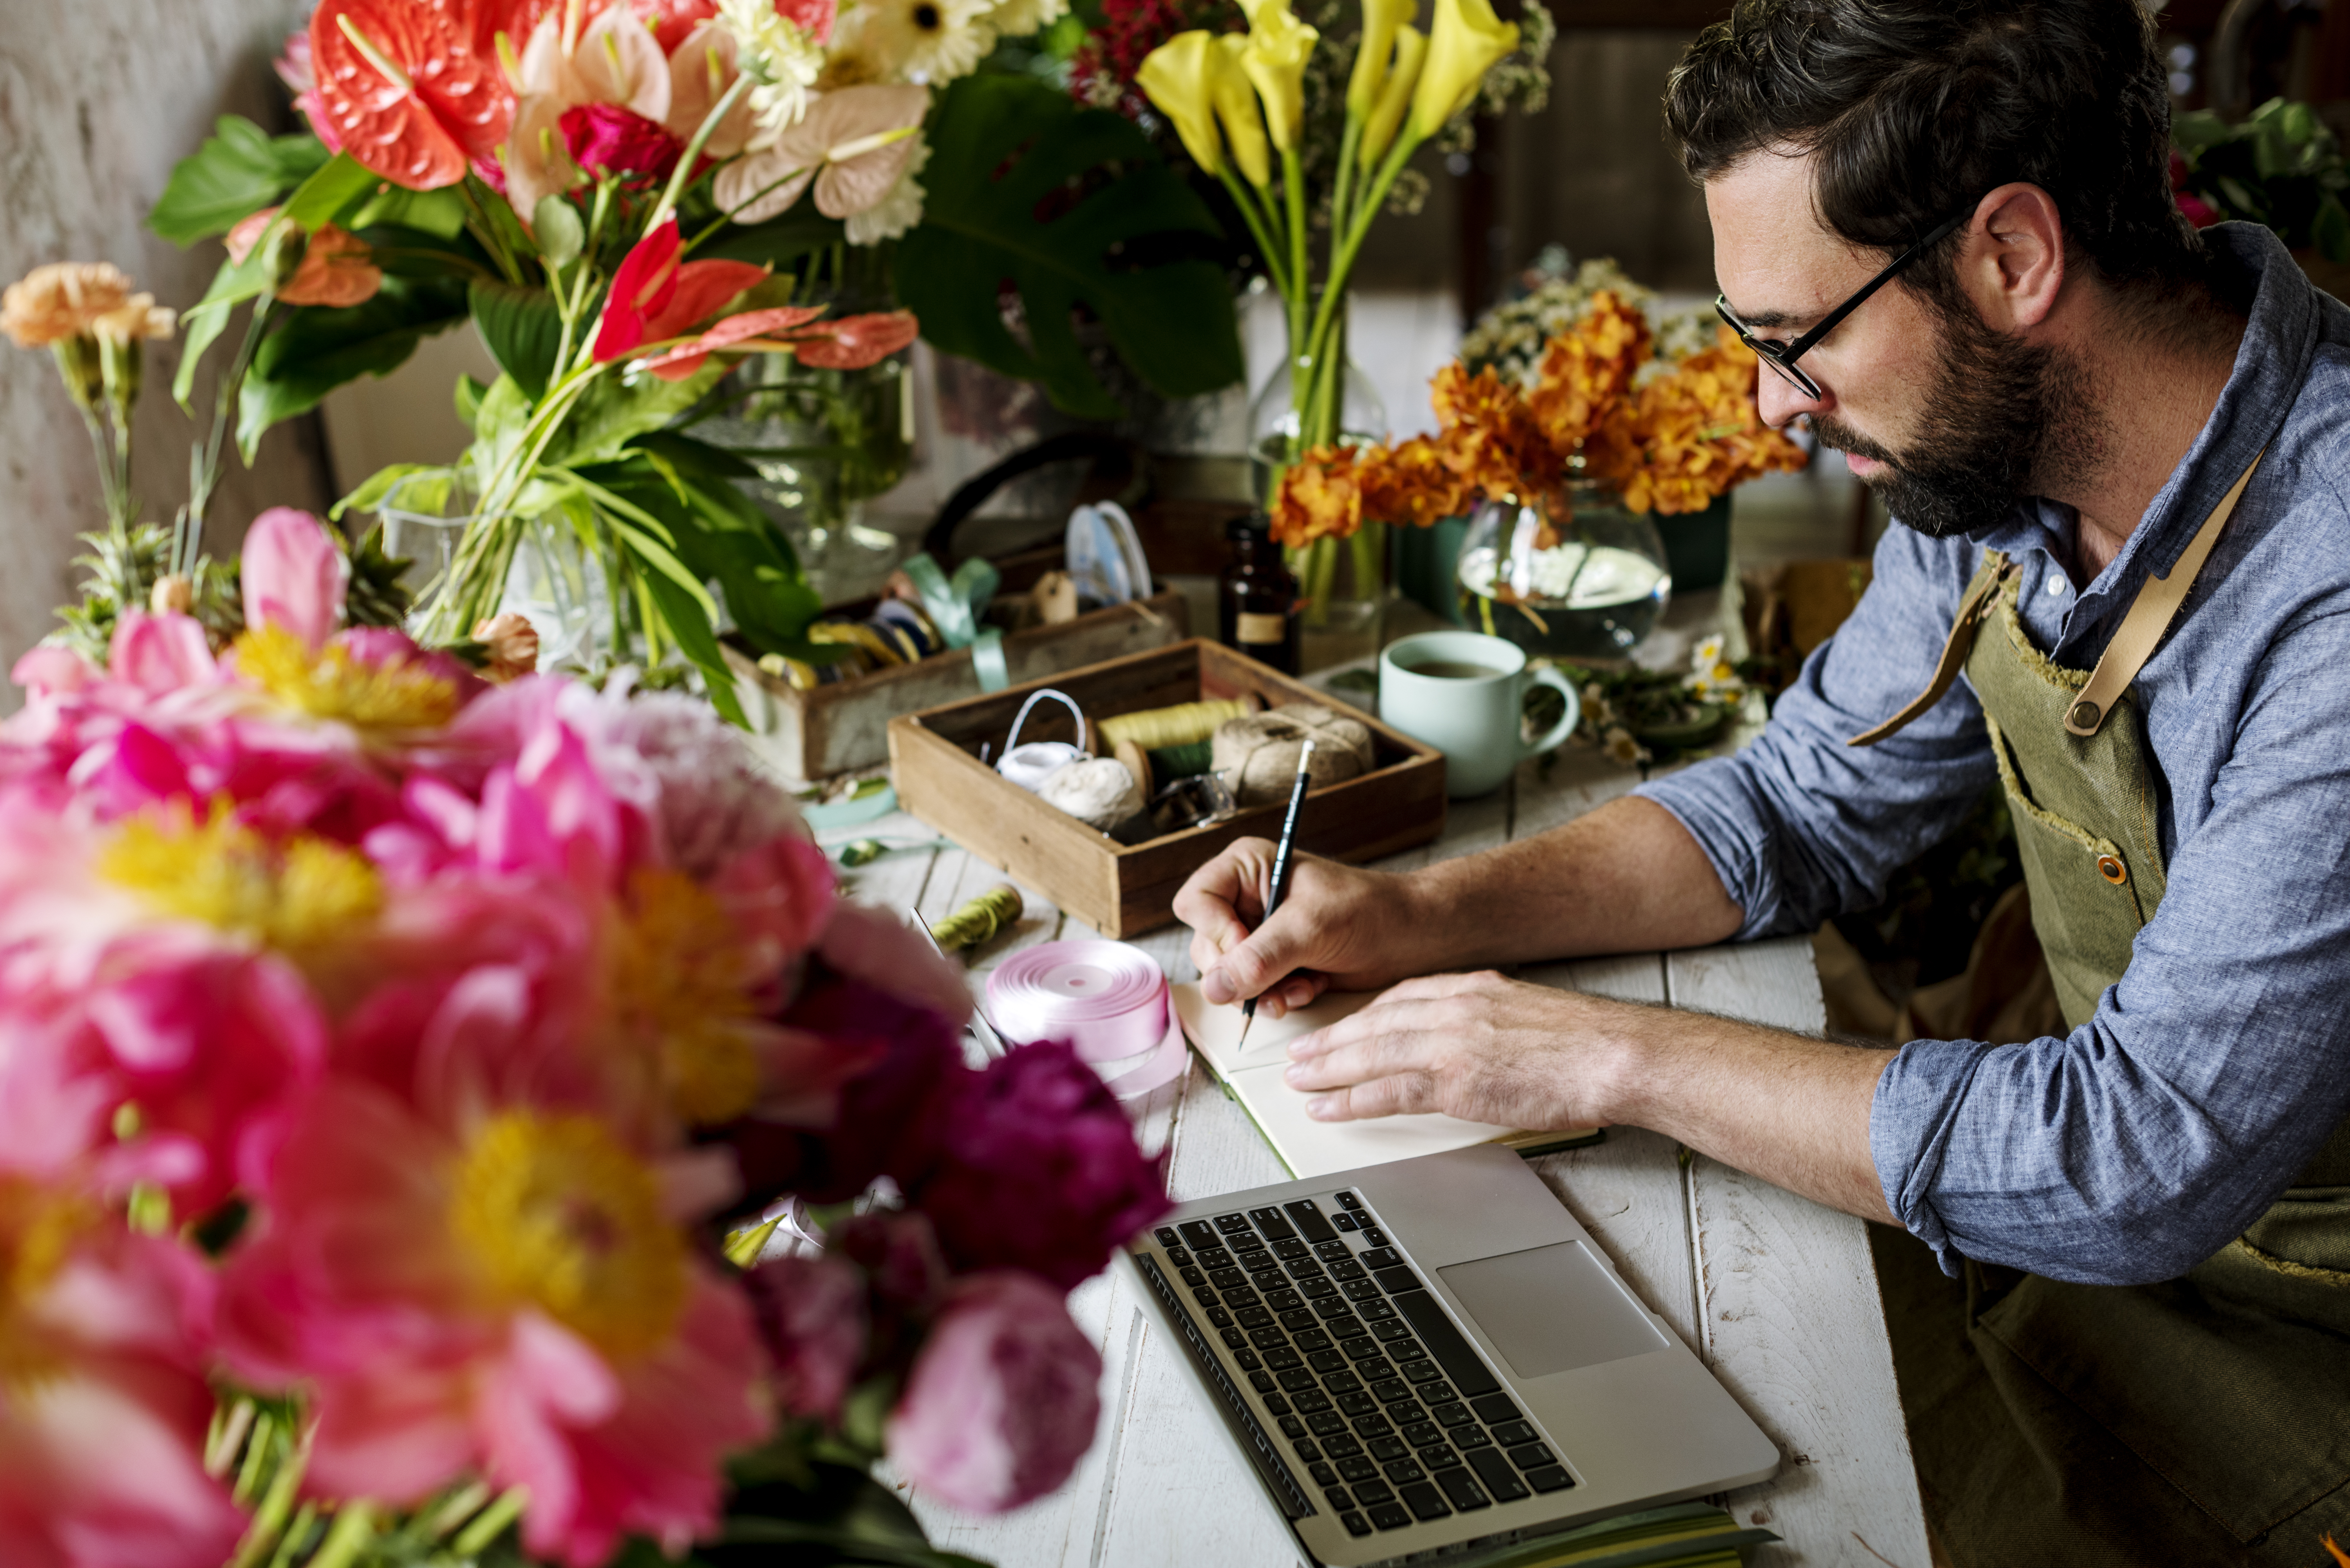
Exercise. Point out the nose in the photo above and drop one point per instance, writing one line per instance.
(1780, 401)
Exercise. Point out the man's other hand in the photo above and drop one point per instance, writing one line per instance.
(1475, 1046)
(1336, 924)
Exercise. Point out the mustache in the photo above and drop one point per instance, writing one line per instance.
(1845, 438)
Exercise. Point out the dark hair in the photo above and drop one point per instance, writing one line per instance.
(1915, 109)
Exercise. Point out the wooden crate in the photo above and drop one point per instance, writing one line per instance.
(832, 729)
(1121, 890)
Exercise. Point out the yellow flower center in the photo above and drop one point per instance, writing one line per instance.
(679, 978)
(556, 1213)
(401, 693)
(290, 895)
(37, 1227)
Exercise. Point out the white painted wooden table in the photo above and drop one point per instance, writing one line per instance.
(1775, 1293)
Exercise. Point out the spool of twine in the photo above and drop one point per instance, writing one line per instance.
(1154, 729)
(1138, 762)
(1097, 791)
(980, 919)
(1257, 754)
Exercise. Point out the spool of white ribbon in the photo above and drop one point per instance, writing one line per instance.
(1106, 999)
(1030, 765)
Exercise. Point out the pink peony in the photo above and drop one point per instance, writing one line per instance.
(607, 139)
(1037, 1170)
(294, 575)
(811, 1318)
(104, 1408)
(160, 653)
(504, 1295)
(1002, 1400)
(49, 669)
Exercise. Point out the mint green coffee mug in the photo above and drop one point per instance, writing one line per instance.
(1461, 693)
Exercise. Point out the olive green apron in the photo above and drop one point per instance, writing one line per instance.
(2206, 1419)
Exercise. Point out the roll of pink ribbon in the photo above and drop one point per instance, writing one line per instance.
(1104, 998)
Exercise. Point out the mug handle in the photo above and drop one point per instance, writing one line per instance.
(1567, 720)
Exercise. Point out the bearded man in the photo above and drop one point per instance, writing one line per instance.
(2121, 589)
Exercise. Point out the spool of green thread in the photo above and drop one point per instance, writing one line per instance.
(1171, 762)
(980, 919)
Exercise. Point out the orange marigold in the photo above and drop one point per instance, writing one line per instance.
(1321, 496)
(1586, 373)
(1690, 436)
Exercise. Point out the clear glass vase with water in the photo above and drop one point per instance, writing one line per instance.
(1571, 575)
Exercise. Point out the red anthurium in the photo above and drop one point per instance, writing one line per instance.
(412, 90)
(853, 342)
(850, 344)
(654, 295)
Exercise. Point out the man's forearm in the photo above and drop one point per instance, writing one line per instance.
(1786, 1107)
(1627, 878)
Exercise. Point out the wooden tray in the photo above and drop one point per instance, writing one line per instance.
(834, 729)
(1121, 890)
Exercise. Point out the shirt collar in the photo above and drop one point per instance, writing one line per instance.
(2279, 343)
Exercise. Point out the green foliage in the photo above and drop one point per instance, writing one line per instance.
(1026, 186)
(123, 572)
(523, 329)
(239, 170)
(375, 596)
(2282, 168)
(319, 348)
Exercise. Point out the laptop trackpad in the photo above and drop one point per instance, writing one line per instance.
(1552, 1309)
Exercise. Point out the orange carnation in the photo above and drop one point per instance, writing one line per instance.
(1690, 436)
(1586, 373)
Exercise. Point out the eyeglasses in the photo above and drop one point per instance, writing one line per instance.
(1781, 356)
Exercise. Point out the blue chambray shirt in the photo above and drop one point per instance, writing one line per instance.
(2141, 1143)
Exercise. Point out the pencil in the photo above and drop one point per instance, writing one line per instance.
(1280, 873)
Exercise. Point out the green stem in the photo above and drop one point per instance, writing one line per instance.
(1342, 262)
(1274, 264)
(487, 232)
(1348, 140)
(678, 176)
(205, 462)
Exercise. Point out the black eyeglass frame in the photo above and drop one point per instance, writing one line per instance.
(1781, 356)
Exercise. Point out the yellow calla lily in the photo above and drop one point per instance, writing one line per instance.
(1381, 20)
(1394, 96)
(1249, 8)
(1279, 44)
(1236, 109)
(1179, 77)
(1464, 42)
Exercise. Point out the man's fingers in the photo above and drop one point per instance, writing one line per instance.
(1369, 1044)
(1254, 966)
(1404, 1094)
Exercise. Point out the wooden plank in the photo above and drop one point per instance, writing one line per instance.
(1789, 1315)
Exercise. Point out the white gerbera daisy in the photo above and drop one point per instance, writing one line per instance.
(1018, 18)
(930, 41)
(778, 56)
(898, 210)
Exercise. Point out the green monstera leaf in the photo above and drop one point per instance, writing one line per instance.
(1025, 185)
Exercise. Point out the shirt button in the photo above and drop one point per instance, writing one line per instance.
(2055, 583)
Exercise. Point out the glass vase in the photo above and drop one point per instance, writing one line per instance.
(554, 578)
(1573, 575)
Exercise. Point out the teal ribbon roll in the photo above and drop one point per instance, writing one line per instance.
(956, 607)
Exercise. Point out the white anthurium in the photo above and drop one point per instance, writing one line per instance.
(700, 72)
(854, 143)
(537, 164)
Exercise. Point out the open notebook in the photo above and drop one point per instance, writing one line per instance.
(1309, 1147)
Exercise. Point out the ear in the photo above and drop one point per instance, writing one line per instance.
(2012, 258)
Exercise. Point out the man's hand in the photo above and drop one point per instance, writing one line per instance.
(1338, 923)
(1475, 1046)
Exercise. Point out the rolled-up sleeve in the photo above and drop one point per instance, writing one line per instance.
(1801, 826)
(2211, 1072)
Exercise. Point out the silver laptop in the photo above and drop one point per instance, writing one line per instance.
(1432, 1353)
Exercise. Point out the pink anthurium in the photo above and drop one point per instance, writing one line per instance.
(853, 142)
(655, 295)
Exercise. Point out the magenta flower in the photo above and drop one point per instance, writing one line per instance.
(1037, 1171)
(1002, 1399)
(811, 1318)
(607, 138)
(104, 1409)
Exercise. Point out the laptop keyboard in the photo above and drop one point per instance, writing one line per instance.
(1351, 1365)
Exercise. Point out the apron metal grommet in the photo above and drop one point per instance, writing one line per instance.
(2112, 870)
(2085, 716)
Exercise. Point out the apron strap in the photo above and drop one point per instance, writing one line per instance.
(2150, 617)
(1961, 642)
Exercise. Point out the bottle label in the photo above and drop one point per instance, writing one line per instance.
(1258, 626)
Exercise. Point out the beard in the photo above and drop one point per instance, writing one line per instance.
(2000, 414)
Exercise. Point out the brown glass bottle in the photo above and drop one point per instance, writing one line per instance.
(1258, 597)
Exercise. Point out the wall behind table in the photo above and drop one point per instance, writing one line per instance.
(97, 100)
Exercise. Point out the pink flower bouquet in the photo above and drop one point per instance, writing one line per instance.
(382, 1054)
